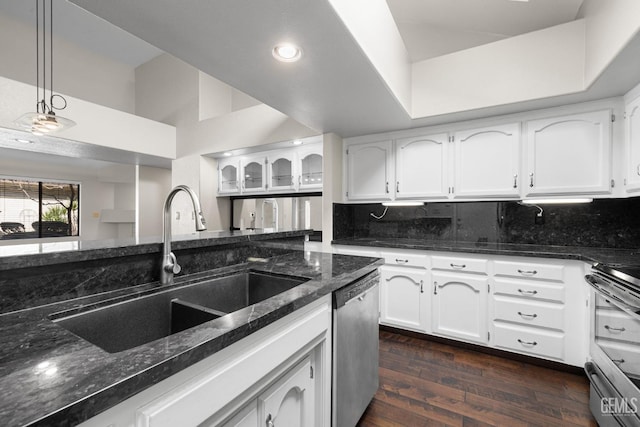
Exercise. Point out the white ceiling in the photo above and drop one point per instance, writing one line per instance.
(335, 88)
(86, 30)
(433, 28)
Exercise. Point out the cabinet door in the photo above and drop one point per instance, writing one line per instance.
(369, 170)
(632, 138)
(421, 167)
(487, 162)
(459, 306)
(290, 401)
(228, 172)
(403, 297)
(569, 155)
(310, 168)
(281, 167)
(254, 174)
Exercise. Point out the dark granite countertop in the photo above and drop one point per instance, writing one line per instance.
(48, 376)
(40, 254)
(587, 254)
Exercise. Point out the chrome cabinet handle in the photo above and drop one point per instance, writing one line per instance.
(397, 186)
(610, 329)
(531, 343)
(458, 266)
(421, 287)
(386, 187)
(515, 181)
(531, 179)
(435, 288)
(243, 184)
(527, 292)
(638, 169)
(299, 180)
(532, 316)
(402, 261)
(618, 361)
(527, 272)
(270, 421)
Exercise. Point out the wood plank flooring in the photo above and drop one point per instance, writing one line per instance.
(424, 383)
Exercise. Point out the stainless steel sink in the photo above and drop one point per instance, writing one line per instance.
(134, 322)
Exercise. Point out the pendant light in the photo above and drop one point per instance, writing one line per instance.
(44, 120)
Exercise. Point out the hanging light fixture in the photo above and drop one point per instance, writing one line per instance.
(44, 120)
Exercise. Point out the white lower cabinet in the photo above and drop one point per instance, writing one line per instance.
(403, 297)
(279, 375)
(459, 306)
(532, 306)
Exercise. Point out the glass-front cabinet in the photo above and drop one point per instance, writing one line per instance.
(228, 182)
(253, 174)
(310, 163)
(281, 166)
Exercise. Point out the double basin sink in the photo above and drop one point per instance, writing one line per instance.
(128, 324)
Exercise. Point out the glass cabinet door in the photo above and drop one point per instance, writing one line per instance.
(253, 175)
(311, 171)
(229, 179)
(281, 173)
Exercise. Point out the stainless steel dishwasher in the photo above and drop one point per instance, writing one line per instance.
(355, 349)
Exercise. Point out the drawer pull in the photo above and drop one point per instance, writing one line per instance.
(421, 287)
(529, 343)
(402, 261)
(527, 272)
(435, 288)
(618, 361)
(610, 329)
(527, 292)
(458, 266)
(532, 316)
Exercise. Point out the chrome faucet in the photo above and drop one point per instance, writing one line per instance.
(169, 263)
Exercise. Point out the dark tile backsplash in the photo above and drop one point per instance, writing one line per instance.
(610, 223)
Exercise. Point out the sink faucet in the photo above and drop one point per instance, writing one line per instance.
(169, 264)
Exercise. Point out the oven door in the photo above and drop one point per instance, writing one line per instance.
(614, 369)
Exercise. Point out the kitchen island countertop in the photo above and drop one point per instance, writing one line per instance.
(48, 376)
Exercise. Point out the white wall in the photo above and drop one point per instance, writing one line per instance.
(332, 184)
(610, 25)
(153, 186)
(77, 72)
(535, 65)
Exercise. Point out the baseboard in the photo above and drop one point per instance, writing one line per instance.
(558, 366)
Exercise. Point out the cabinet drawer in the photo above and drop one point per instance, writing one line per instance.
(625, 355)
(468, 265)
(529, 289)
(529, 341)
(529, 313)
(529, 270)
(616, 325)
(408, 259)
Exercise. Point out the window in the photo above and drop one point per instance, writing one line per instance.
(34, 209)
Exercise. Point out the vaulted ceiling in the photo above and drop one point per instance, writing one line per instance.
(358, 71)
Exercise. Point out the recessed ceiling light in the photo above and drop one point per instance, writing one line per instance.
(226, 153)
(24, 141)
(297, 142)
(287, 52)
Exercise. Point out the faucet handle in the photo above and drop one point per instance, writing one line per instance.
(172, 266)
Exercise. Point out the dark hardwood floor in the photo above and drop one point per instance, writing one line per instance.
(425, 383)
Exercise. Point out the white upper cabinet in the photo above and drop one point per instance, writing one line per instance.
(281, 167)
(370, 171)
(228, 172)
(310, 167)
(569, 155)
(632, 138)
(486, 162)
(254, 174)
(421, 167)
